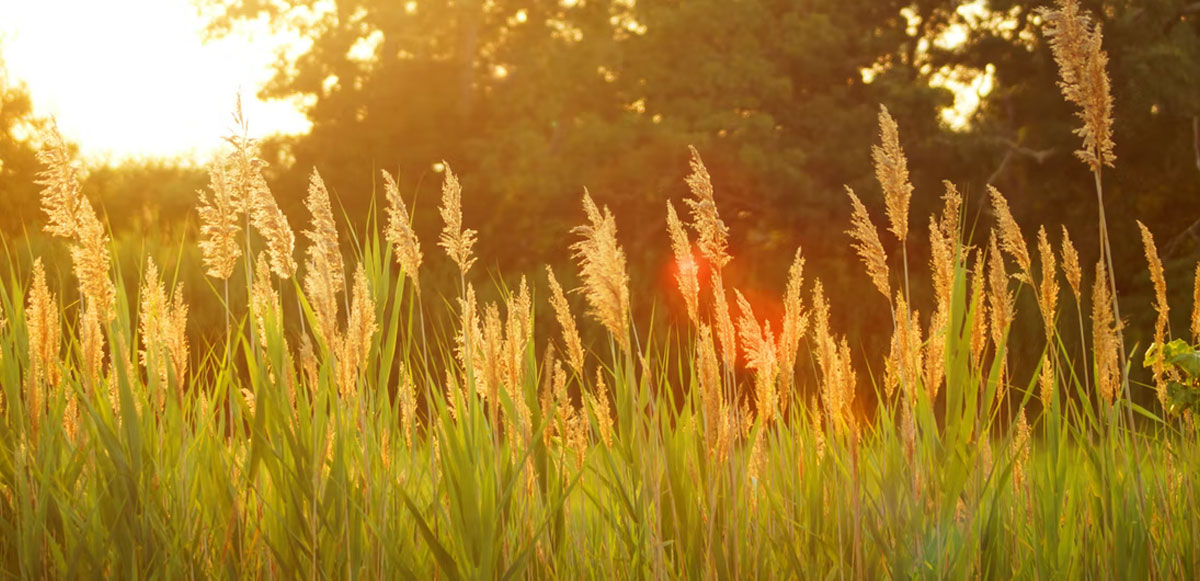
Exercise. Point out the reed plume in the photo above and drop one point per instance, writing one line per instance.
(602, 268)
(867, 243)
(570, 332)
(1047, 295)
(163, 324)
(457, 241)
(401, 234)
(42, 325)
(1001, 308)
(71, 216)
(795, 324)
(891, 170)
(1082, 66)
(44, 328)
(1071, 267)
(979, 323)
(1011, 240)
(726, 332)
(687, 271)
(360, 329)
(598, 404)
(324, 274)
(712, 232)
(758, 344)
(1196, 306)
(709, 378)
(1160, 306)
(1105, 338)
(220, 218)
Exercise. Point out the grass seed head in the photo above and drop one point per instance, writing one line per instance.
(1071, 267)
(1083, 78)
(1160, 306)
(1047, 295)
(602, 268)
(1011, 240)
(867, 243)
(562, 312)
(713, 233)
(458, 242)
(891, 169)
(687, 271)
(400, 232)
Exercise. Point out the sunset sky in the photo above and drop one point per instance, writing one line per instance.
(133, 79)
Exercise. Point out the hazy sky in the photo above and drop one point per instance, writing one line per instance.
(131, 78)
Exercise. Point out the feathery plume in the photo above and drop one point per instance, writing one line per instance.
(1021, 445)
(220, 216)
(1000, 302)
(713, 233)
(468, 342)
(1047, 295)
(265, 215)
(457, 241)
(163, 324)
(325, 272)
(710, 384)
(599, 403)
(1011, 239)
(979, 324)
(1104, 337)
(72, 216)
(360, 329)
(1082, 68)
(891, 170)
(400, 232)
(867, 243)
(602, 268)
(264, 301)
(492, 346)
(562, 311)
(795, 323)
(724, 322)
(758, 344)
(1196, 306)
(686, 268)
(1071, 264)
(1160, 306)
(44, 328)
(935, 355)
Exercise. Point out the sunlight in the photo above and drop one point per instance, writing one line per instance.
(132, 79)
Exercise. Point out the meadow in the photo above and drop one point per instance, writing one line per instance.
(338, 429)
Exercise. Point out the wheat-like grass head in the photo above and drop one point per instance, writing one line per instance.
(1083, 73)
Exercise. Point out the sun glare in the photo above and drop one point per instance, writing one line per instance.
(133, 79)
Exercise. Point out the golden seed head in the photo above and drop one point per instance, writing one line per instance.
(795, 324)
(709, 376)
(599, 405)
(220, 222)
(1082, 68)
(867, 243)
(1071, 264)
(713, 233)
(360, 324)
(1011, 239)
(1160, 306)
(1104, 337)
(254, 196)
(726, 333)
(891, 169)
(935, 361)
(1047, 295)
(1196, 306)
(457, 241)
(979, 324)
(44, 328)
(1000, 303)
(562, 311)
(758, 344)
(687, 271)
(325, 272)
(1021, 445)
(400, 232)
(468, 342)
(602, 268)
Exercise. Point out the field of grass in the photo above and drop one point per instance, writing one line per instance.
(360, 440)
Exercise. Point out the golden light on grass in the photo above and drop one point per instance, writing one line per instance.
(891, 170)
(602, 268)
(1083, 68)
(401, 234)
(866, 242)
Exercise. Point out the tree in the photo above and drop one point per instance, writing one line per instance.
(18, 162)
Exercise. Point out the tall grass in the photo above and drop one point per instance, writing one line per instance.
(367, 442)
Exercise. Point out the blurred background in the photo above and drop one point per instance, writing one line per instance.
(530, 101)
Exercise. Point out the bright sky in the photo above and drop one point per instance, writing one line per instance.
(132, 79)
